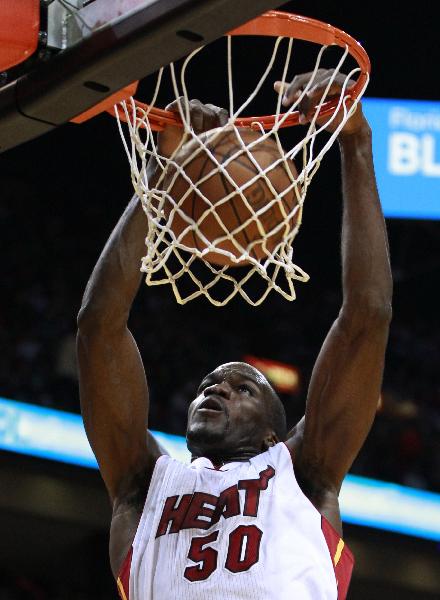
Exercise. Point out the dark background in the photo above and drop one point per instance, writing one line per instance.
(60, 197)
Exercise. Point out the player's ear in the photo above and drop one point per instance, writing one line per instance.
(270, 440)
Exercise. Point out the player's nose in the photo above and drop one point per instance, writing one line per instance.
(220, 389)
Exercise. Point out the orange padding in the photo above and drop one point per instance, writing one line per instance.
(19, 28)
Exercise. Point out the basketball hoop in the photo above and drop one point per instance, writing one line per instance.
(279, 24)
(176, 256)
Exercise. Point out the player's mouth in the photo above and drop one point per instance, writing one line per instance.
(211, 405)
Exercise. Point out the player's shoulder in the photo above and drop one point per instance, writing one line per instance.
(278, 454)
(294, 438)
(167, 465)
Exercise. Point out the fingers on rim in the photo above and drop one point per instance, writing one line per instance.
(174, 105)
(219, 115)
(216, 109)
(322, 77)
(180, 104)
(280, 86)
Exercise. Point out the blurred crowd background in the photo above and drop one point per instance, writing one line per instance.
(26, 587)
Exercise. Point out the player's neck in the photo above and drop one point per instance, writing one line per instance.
(218, 460)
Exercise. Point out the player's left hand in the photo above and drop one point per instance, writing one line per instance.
(202, 117)
(307, 105)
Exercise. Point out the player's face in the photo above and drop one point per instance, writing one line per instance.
(229, 416)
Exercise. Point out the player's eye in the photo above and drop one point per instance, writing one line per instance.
(244, 388)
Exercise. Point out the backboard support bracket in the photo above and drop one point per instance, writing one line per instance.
(127, 50)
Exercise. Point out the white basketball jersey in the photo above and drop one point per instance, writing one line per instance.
(244, 531)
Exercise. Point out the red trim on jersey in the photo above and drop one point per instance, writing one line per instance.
(341, 555)
(124, 577)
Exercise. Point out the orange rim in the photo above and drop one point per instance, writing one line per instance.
(275, 23)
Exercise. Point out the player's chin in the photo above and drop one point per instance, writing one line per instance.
(205, 435)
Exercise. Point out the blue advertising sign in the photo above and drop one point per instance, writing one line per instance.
(406, 146)
(58, 435)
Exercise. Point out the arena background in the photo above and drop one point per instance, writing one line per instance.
(60, 197)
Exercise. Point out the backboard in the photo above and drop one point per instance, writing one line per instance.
(90, 49)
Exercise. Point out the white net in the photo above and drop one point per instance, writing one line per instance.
(225, 207)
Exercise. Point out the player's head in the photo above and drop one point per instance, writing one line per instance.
(236, 413)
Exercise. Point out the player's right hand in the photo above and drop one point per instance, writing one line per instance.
(291, 93)
(202, 117)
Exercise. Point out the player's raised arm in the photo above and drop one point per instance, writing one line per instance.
(113, 385)
(346, 380)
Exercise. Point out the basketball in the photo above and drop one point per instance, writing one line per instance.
(258, 218)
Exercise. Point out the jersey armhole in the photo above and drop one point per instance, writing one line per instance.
(341, 556)
(123, 581)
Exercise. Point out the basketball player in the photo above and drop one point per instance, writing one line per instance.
(255, 516)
